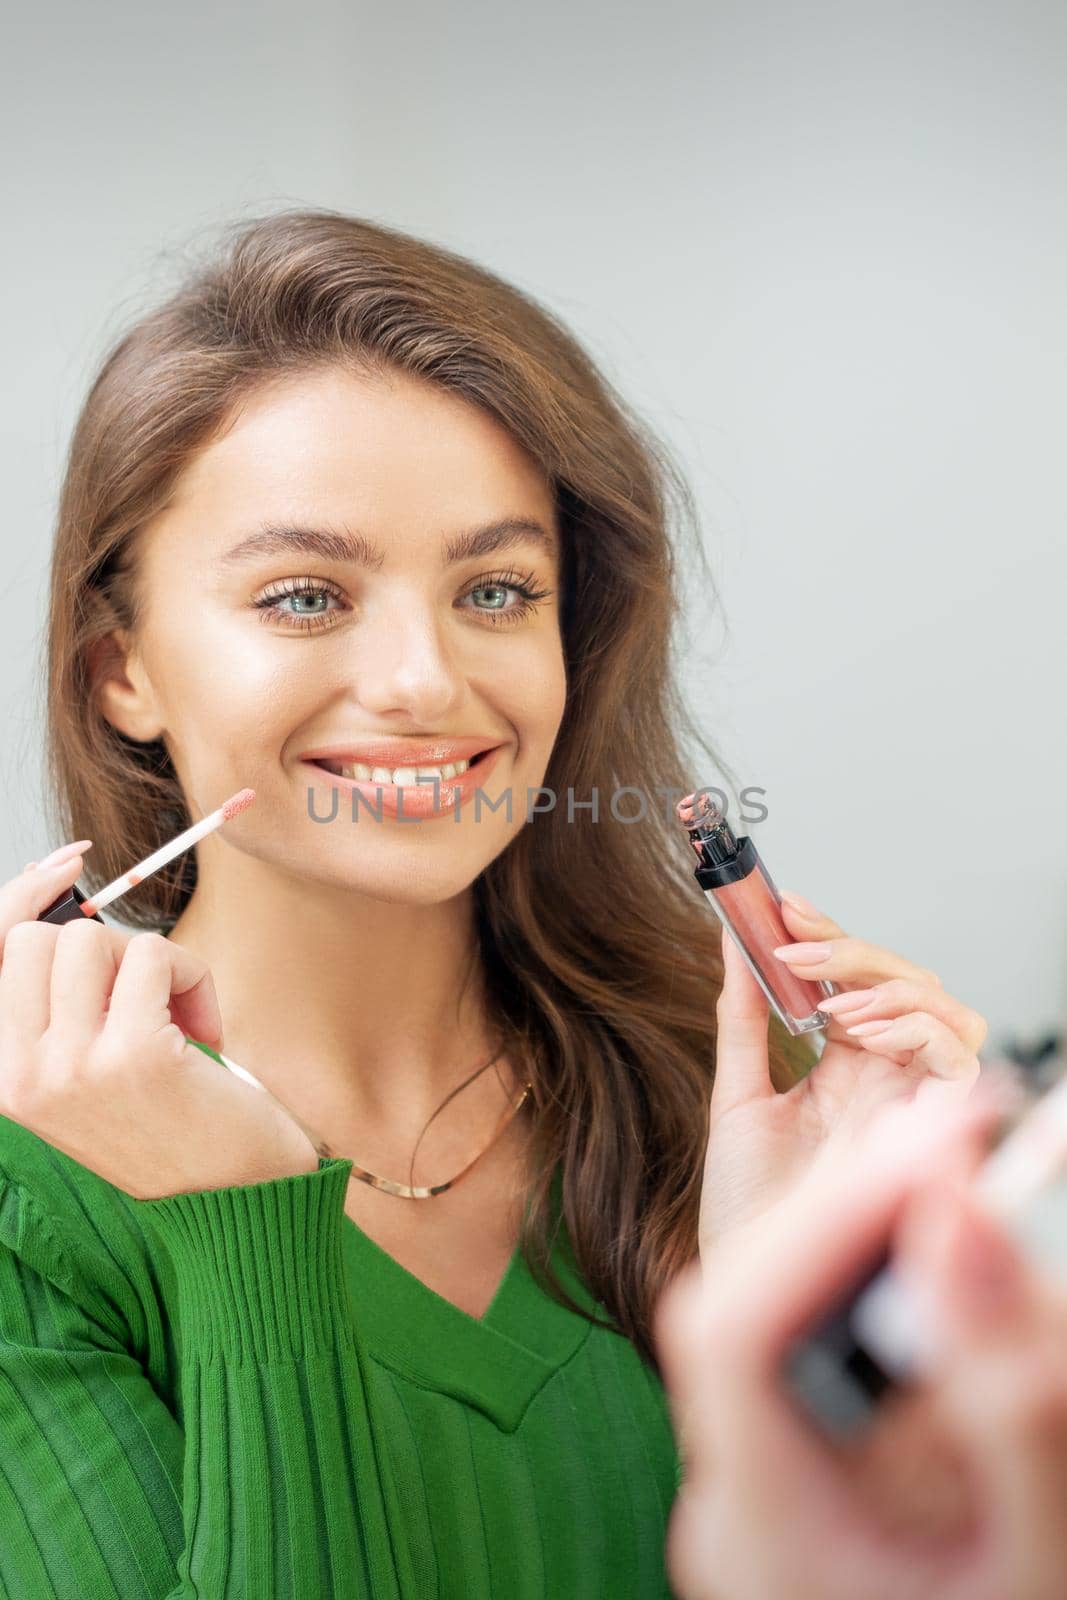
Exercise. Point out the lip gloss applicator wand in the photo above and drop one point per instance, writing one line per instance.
(72, 904)
(743, 895)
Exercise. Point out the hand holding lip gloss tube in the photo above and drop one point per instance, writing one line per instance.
(72, 904)
(124, 1096)
(743, 895)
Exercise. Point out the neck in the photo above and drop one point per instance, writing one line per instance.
(360, 1015)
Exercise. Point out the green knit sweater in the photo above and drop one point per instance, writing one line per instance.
(237, 1394)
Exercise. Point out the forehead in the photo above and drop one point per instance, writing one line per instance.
(388, 454)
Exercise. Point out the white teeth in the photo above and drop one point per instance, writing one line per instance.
(403, 777)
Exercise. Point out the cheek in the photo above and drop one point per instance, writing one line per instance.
(220, 693)
(539, 700)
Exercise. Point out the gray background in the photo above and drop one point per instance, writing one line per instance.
(821, 247)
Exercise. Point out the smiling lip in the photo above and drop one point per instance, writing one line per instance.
(394, 753)
(417, 799)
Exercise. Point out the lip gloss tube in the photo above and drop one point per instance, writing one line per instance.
(743, 895)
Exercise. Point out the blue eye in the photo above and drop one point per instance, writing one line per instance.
(269, 609)
(270, 605)
(529, 598)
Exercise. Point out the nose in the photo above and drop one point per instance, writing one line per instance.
(404, 659)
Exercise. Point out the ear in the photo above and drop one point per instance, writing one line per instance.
(120, 687)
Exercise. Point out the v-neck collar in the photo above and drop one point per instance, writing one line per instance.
(497, 1362)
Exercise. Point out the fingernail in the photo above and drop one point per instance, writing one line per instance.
(869, 1027)
(28, 866)
(60, 870)
(850, 1000)
(798, 903)
(65, 851)
(806, 953)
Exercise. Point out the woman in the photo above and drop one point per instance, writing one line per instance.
(234, 1368)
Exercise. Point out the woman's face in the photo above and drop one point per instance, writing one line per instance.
(247, 662)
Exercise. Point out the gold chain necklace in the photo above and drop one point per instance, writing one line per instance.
(388, 1185)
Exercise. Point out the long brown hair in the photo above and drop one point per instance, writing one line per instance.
(602, 959)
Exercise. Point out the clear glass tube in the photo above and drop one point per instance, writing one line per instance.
(750, 909)
(743, 895)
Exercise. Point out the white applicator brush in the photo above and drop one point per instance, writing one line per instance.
(72, 903)
(159, 858)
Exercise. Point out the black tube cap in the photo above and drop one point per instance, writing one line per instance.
(67, 908)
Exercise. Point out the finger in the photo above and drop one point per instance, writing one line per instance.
(850, 961)
(982, 1290)
(899, 995)
(84, 963)
(920, 1043)
(742, 1059)
(29, 989)
(1013, 1419)
(25, 982)
(160, 982)
(1002, 1385)
(810, 923)
(63, 851)
(908, 1468)
(22, 899)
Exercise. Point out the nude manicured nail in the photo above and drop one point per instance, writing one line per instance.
(65, 851)
(798, 903)
(850, 1000)
(804, 952)
(60, 870)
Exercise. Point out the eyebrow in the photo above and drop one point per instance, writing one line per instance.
(280, 538)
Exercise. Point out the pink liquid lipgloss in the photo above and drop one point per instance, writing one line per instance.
(744, 897)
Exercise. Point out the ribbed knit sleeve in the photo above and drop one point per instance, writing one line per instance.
(256, 1488)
